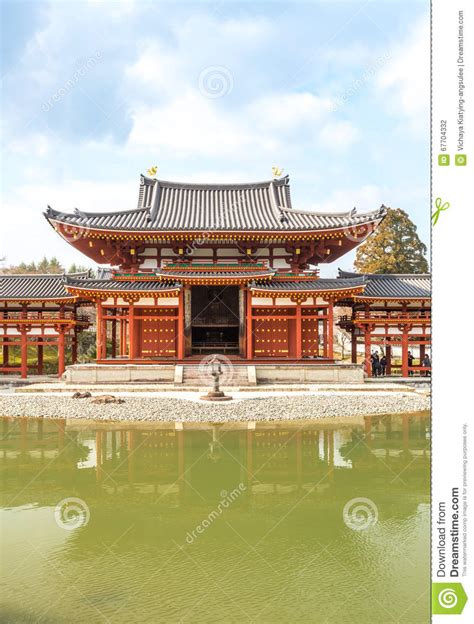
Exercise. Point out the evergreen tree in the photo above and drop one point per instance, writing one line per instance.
(42, 267)
(394, 247)
(77, 268)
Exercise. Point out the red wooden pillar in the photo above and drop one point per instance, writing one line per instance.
(422, 351)
(249, 347)
(24, 351)
(181, 325)
(99, 335)
(40, 358)
(325, 335)
(299, 332)
(353, 347)
(330, 330)
(131, 331)
(61, 354)
(368, 363)
(123, 336)
(114, 335)
(405, 352)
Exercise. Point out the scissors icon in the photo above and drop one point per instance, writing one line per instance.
(439, 209)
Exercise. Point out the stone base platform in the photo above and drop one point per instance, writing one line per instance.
(234, 375)
(119, 373)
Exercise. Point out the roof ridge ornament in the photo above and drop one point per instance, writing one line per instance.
(274, 200)
(155, 204)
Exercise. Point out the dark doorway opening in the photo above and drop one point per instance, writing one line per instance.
(215, 319)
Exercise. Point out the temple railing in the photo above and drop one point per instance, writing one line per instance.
(45, 315)
(386, 315)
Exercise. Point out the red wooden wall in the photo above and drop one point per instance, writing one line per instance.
(156, 330)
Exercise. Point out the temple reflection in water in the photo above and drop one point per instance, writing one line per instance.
(153, 545)
(165, 461)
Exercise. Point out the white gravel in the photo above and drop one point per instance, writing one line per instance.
(264, 408)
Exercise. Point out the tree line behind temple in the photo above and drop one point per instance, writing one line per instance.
(45, 266)
(394, 247)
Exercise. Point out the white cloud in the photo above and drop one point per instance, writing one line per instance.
(339, 135)
(193, 124)
(175, 107)
(404, 79)
(290, 110)
(34, 145)
(23, 213)
(365, 198)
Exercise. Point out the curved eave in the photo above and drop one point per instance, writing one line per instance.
(337, 293)
(77, 232)
(59, 300)
(373, 299)
(213, 279)
(84, 293)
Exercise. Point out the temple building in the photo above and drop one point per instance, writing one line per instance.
(392, 311)
(36, 312)
(232, 269)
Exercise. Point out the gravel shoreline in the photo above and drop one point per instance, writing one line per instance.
(168, 409)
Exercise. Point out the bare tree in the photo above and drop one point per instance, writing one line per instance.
(342, 338)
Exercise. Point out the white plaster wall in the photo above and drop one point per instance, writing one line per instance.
(149, 251)
(280, 264)
(149, 263)
(234, 253)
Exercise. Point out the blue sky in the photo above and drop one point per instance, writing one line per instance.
(94, 93)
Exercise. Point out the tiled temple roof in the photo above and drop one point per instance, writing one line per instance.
(108, 285)
(36, 287)
(391, 285)
(104, 273)
(173, 206)
(214, 272)
(322, 284)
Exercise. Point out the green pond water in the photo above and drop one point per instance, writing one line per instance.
(216, 523)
